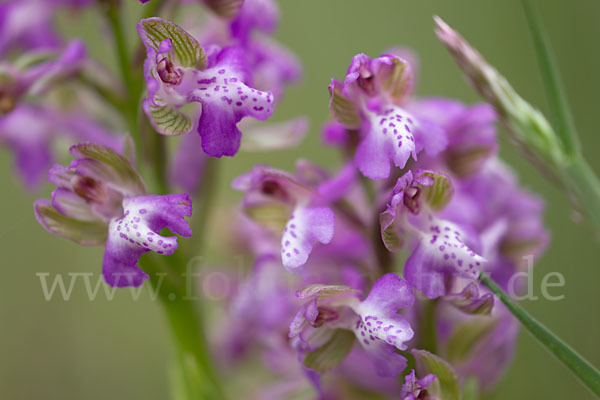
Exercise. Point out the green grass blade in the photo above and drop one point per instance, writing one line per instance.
(559, 108)
(585, 371)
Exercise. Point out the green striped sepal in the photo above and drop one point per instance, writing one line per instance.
(187, 52)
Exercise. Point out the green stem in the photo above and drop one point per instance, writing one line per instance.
(204, 198)
(565, 126)
(158, 157)
(585, 371)
(427, 328)
(386, 260)
(187, 329)
(578, 177)
(584, 184)
(113, 14)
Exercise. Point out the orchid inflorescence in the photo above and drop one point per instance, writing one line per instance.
(364, 280)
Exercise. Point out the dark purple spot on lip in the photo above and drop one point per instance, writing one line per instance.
(221, 71)
(208, 81)
(239, 103)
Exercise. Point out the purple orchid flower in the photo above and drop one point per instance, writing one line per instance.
(101, 200)
(286, 197)
(371, 100)
(26, 25)
(271, 64)
(263, 307)
(443, 249)
(508, 217)
(30, 132)
(375, 321)
(260, 15)
(38, 74)
(414, 389)
(178, 72)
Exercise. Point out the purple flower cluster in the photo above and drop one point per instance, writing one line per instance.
(434, 190)
(366, 278)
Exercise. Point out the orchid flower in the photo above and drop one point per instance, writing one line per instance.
(31, 132)
(27, 24)
(375, 321)
(280, 196)
(371, 100)
(443, 248)
(101, 200)
(36, 72)
(179, 72)
(414, 389)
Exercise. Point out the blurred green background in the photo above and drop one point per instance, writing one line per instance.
(81, 349)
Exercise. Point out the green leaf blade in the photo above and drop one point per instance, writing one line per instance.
(582, 368)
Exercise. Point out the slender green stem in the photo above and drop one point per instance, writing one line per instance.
(585, 185)
(386, 260)
(113, 14)
(560, 112)
(585, 371)
(187, 329)
(205, 196)
(158, 156)
(427, 327)
(578, 176)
